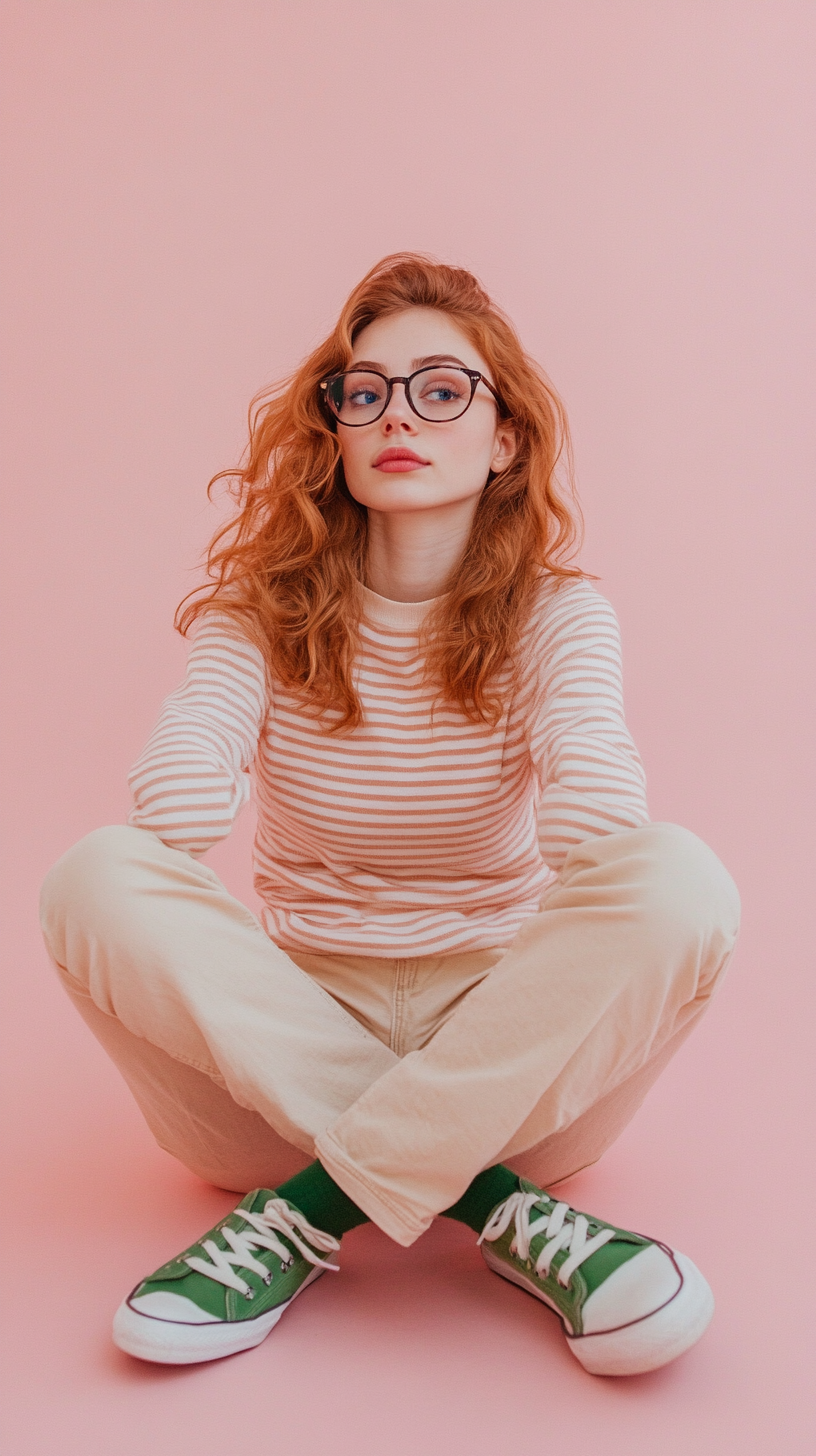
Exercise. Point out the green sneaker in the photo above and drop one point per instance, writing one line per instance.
(627, 1303)
(200, 1307)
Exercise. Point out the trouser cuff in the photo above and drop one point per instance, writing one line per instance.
(401, 1221)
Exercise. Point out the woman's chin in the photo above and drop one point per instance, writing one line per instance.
(408, 493)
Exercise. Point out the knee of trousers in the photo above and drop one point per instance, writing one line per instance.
(683, 885)
(86, 881)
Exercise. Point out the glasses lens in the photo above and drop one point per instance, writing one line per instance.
(358, 397)
(441, 393)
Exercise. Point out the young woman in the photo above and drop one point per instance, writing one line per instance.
(476, 952)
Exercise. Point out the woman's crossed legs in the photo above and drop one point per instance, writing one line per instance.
(245, 1062)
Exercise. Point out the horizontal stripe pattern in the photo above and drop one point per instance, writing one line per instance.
(421, 833)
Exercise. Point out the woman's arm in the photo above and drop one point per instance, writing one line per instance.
(591, 777)
(192, 777)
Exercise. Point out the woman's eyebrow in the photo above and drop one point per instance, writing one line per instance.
(415, 363)
(437, 359)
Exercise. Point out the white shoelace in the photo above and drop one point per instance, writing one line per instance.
(560, 1235)
(276, 1215)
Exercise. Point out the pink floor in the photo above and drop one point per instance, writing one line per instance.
(192, 190)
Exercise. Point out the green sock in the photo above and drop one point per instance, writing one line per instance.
(327, 1207)
(480, 1198)
(322, 1200)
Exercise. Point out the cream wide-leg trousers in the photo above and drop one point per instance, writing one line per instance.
(404, 1076)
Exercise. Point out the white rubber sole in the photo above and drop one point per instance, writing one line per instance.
(647, 1343)
(167, 1342)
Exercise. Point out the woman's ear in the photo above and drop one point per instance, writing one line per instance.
(504, 448)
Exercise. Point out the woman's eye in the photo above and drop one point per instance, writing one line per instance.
(442, 391)
(363, 397)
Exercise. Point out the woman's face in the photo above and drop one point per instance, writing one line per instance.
(442, 462)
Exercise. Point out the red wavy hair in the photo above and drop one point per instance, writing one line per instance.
(286, 568)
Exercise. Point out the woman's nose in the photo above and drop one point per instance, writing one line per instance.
(398, 413)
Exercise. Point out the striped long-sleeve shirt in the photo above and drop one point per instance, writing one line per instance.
(420, 832)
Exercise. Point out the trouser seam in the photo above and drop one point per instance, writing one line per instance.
(405, 974)
(396, 1007)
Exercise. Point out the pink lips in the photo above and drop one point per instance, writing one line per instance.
(398, 460)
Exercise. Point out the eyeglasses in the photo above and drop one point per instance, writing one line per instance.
(438, 392)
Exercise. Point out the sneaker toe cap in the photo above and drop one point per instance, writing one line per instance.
(637, 1288)
(161, 1304)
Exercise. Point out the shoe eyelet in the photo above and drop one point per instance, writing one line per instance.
(268, 1278)
(250, 1294)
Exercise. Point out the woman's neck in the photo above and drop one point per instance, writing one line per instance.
(412, 555)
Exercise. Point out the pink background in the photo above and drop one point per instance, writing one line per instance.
(194, 186)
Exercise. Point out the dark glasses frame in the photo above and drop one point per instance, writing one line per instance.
(472, 374)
